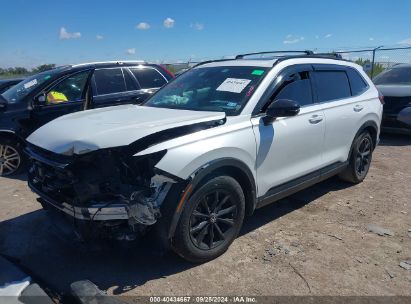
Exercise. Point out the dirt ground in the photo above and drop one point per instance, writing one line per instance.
(313, 243)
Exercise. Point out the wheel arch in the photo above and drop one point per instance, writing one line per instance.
(7, 134)
(234, 168)
(181, 192)
(370, 126)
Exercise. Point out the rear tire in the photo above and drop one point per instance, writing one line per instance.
(12, 158)
(360, 159)
(210, 221)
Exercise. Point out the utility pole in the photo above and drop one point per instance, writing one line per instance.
(373, 60)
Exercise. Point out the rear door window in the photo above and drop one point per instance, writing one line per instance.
(332, 85)
(148, 78)
(109, 81)
(358, 84)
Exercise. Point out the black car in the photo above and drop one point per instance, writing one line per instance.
(6, 84)
(67, 89)
(395, 85)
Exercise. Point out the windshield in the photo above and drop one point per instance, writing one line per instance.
(222, 89)
(28, 85)
(395, 76)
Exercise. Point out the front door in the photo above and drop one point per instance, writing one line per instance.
(67, 96)
(289, 147)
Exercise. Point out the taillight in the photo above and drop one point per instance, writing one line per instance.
(381, 97)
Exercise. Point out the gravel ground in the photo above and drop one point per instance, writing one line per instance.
(316, 242)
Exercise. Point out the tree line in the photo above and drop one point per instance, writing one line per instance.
(21, 71)
(377, 67)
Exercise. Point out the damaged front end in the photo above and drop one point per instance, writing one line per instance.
(107, 193)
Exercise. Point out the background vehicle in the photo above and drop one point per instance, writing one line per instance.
(48, 95)
(395, 85)
(221, 140)
(6, 84)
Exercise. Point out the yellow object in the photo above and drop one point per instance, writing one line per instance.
(56, 97)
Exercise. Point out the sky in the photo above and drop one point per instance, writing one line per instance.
(73, 31)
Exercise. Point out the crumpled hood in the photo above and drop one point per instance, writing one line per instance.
(87, 131)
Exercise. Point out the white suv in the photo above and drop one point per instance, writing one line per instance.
(219, 141)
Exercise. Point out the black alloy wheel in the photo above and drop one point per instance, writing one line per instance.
(363, 156)
(212, 221)
(360, 159)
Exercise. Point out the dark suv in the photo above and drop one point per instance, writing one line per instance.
(395, 85)
(63, 90)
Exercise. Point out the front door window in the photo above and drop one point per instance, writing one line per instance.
(69, 90)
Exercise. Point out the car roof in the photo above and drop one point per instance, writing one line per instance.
(270, 58)
(105, 64)
(401, 65)
(110, 63)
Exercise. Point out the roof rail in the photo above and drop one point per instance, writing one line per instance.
(334, 55)
(209, 61)
(119, 62)
(241, 56)
(292, 55)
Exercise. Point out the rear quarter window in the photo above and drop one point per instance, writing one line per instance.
(148, 78)
(357, 82)
(332, 85)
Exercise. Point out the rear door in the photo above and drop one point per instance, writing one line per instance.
(66, 96)
(339, 89)
(113, 86)
(290, 147)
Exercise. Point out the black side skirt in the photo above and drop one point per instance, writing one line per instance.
(291, 187)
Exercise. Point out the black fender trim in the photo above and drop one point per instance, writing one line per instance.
(180, 192)
(11, 133)
(366, 125)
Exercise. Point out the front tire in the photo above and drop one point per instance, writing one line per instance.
(211, 220)
(12, 161)
(360, 159)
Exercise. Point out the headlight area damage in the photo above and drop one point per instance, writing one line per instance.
(109, 193)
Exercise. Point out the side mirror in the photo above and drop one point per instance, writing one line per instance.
(281, 108)
(40, 100)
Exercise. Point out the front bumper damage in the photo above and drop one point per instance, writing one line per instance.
(108, 193)
(95, 212)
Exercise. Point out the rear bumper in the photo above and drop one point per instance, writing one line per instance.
(99, 211)
(404, 131)
(397, 122)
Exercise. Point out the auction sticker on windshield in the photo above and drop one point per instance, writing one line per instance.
(233, 85)
(30, 83)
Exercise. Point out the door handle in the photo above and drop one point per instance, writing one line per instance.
(358, 108)
(315, 119)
